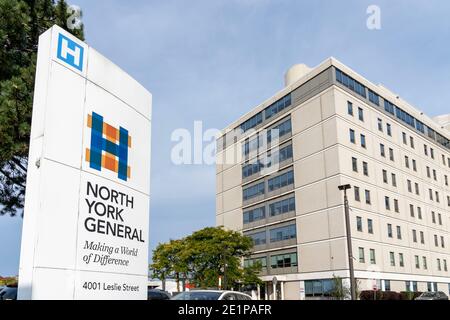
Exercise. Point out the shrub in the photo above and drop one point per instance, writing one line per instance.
(409, 295)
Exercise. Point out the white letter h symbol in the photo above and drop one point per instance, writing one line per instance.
(66, 50)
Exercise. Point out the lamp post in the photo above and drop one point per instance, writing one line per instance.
(344, 188)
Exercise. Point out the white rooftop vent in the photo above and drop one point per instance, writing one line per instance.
(295, 72)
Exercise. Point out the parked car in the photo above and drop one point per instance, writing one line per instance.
(8, 293)
(211, 295)
(156, 294)
(438, 295)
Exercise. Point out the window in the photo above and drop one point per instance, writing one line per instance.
(367, 194)
(283, 260)
(442, 242)
(391, 154)
(409, 184)
(437, 196)
(433, 216)
(283, 206)
(404, 138)
(425, 149)
(258, 238)
(352, 136)
(396, 207)
(357, 197)
(434, 175)
(432, 153)
(382, 152)
(411, 210)
(389, 230)
(251, 262)
(424, 262)
(350, 108)
(399, 232)
(422, 238)
(401, 261)
(389, 107)
(416, 260)
(252, 122)
(430, 193)
(411, 142)
(380, 125)
(374, 98)
(278, 106)
(387, 285)
(428, 172)
(414, 234)
(281, 129)
(370, 226)
(389, 129)
(440, 219)
(445, 265)
(385, 178)
(361, 255)
(319, 288)
(419, 213)
(406, 161)
(283, 233)
(350, 83)
(439, 264)
(359, 226)
(363, 140)
(254, 214)
(360, 114)
(414, 165)
(281, 181)
(355, 164)
(365, 169)
(394, 180)
(387, 204)
(372, 256)
(446, 180)
(392, 258)
(416, 185)
(253, 191)
(436, 244)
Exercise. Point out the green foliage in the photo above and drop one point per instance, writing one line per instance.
(204, 256)
(21, 23)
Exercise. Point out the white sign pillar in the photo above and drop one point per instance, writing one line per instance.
(86, 217)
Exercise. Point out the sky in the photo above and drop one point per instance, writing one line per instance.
(214, 60)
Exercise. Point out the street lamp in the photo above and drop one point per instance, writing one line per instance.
(344, 188)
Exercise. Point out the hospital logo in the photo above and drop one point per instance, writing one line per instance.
(70, 52)
(109, 147)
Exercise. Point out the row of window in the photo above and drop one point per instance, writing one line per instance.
(277, 157)
(252, 122)
(269, 112)
(258, 141)
(277, 106)
(353, 138)
(275, 208)
(350, 83)
(388, 127)
(390, 232)
(389, 107)
(277, 261)
(275, 234)
(281, 181)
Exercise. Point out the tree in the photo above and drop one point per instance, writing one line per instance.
(20, 26)
(206, 255)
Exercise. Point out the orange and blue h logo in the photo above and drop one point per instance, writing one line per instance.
(109, 147)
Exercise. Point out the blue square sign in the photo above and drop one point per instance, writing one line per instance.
(70, 52)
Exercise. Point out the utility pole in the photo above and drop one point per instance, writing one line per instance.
(344, 188)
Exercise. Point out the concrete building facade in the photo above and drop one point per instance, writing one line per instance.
(334, 127)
